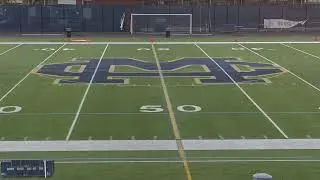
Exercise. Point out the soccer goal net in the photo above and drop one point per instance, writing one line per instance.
(159, 23)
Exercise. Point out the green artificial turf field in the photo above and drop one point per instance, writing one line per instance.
(179, 93)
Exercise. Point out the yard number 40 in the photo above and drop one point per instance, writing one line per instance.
(158, 108)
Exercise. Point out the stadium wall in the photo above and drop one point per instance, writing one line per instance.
(107, 18)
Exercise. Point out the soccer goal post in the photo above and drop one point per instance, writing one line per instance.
(159, 23)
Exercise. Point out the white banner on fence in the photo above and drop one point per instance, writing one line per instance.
(281, 23)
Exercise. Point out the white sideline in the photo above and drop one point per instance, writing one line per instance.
(148, 43)
(25, 77)
(159, 145)
(85, 95)
(195, 159)
(4, 52)
(287, 70)
(302, 51)
(247, 95)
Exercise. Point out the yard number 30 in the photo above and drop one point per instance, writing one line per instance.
(158, 108)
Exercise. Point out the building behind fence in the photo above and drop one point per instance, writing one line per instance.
(107, 18)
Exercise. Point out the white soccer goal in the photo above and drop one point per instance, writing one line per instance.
(159, 23)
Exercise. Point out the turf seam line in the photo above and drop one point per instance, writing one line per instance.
(192, 161)
(168, 158)
(4, 52)
(85, 95)
(302, 51)
(285, 69)
(173, 121)
(27, 75)
(159, 113)
(246, 94)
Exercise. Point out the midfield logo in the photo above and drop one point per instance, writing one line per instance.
(251, 72)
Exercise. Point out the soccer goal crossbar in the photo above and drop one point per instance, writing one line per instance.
(160, 22)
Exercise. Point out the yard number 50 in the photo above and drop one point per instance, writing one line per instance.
(158, 108)
(9, 109)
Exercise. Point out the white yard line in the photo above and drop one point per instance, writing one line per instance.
(85, 95)
(4, 52)
(27, 75)
(302, 51)
(173, 121)
(168, 42)
(247, 95)
(285, 69)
